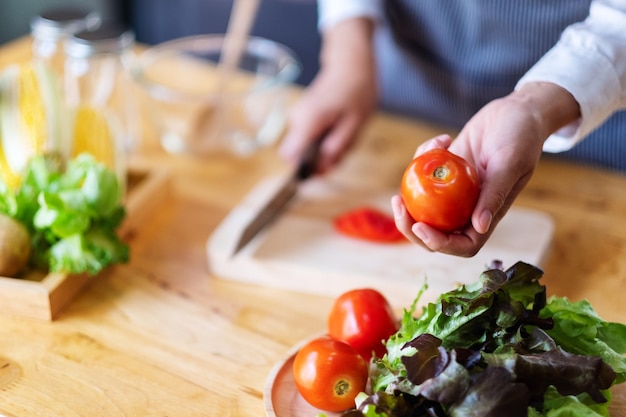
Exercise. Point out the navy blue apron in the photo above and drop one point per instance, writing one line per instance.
(442, 60)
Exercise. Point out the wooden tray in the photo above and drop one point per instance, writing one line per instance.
(41, 296)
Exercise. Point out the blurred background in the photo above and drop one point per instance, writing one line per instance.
(290, 22)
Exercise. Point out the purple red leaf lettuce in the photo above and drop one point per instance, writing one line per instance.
(498, 347)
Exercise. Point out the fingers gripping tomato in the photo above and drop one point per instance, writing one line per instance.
(329, 374)
(441, 189)
(363, 319)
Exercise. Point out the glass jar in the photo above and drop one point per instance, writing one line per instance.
(33, 118)
(51, 28)
(99, 96)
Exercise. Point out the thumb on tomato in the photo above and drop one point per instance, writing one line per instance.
(438, 142)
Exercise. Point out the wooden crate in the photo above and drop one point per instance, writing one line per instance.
(42, 296)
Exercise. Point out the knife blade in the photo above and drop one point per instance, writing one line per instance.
(279, 201)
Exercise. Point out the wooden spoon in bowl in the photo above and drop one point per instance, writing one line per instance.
(242, 16)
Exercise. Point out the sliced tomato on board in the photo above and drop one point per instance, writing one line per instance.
(368, 223)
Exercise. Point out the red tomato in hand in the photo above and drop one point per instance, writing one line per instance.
(368, 224)
(363, 319)
(329, 374)
(440, 189)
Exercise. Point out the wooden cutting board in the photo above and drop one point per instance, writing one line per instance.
(301, 251)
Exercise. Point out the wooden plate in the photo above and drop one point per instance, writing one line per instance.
(282, 399)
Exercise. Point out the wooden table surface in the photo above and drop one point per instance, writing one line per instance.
(160, 336)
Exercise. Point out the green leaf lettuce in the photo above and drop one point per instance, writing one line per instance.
(72, 214)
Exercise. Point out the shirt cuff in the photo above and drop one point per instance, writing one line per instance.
(585, 66)
(331, 12)
(592, 84)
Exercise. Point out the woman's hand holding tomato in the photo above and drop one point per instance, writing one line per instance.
(499, 186)
(503, 141)
(438, 194)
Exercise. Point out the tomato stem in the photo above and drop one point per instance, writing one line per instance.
(441, 173)
(342, 387)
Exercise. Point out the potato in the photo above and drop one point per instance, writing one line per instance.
(15, 246)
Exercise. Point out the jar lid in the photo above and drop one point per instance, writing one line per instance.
(57, 22)
(108, 38)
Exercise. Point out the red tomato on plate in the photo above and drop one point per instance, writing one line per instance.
(440, 188)
(368, 223)
(329, 374)
(363, 319)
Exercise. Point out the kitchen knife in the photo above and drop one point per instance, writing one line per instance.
(279, 201)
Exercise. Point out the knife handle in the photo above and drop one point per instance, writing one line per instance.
(309, 160)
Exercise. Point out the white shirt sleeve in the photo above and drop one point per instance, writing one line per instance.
(331, 12)
(589, 61)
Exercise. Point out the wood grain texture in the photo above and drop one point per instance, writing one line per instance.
(162, 336)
